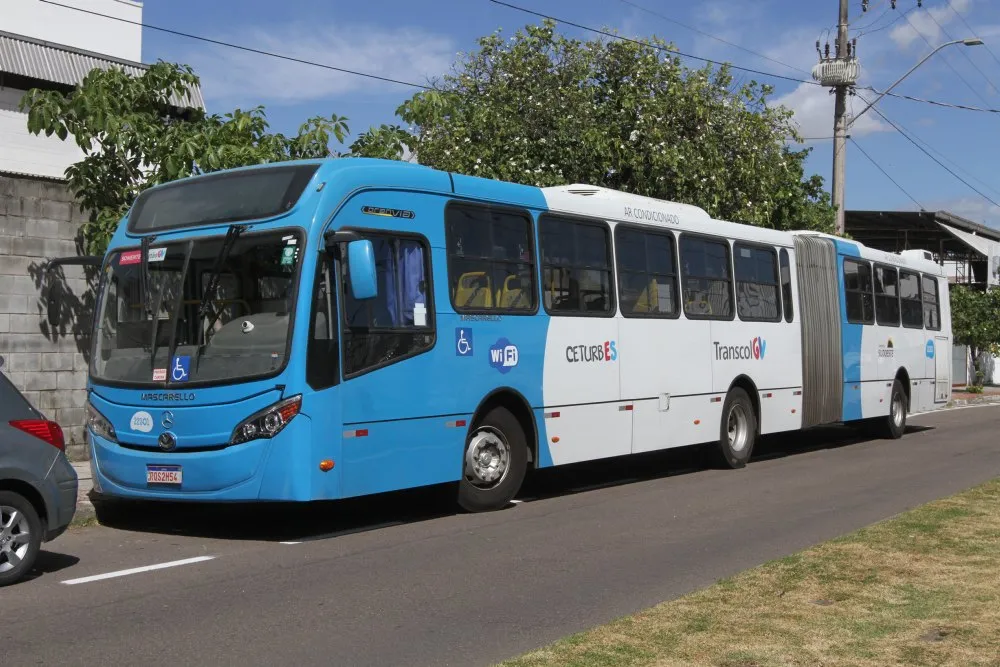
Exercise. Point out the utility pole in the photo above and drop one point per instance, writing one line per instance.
(840, 125)
(841, 73)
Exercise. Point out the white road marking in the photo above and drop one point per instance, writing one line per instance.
(291, 543)
(136, 570)
(517, 502)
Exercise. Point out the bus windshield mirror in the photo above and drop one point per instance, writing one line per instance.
(361, 264)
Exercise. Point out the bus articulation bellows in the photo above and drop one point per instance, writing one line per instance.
(334, 328)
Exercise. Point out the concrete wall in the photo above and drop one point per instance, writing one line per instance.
(39, 221)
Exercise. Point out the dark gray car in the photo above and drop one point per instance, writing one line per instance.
(38, 485)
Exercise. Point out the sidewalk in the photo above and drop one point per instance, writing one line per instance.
(84, 508)
(961, 397)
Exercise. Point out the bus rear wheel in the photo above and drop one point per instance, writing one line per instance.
(894, 425)
(494, 464)
(737, 429)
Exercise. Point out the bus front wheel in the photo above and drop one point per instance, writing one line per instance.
(737, 430)
(494, 464)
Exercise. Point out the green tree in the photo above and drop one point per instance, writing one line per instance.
(546, 110)
(975, 322)
(133, 138)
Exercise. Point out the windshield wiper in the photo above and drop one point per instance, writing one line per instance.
(144, 270)
(155, 327)
(177, 307)
(232, 234)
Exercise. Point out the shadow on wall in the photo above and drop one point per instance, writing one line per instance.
(63, 313)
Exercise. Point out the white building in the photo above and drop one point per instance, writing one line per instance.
(53, 47)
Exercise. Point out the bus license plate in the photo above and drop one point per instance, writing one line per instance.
(160, 474)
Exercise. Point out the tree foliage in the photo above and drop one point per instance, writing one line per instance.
(975, 322)
(133, 138)
(546, 110)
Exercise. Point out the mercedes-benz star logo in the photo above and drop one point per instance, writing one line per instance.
(168, 419)
(167, 441)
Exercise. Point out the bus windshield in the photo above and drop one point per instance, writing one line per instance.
(153, 330)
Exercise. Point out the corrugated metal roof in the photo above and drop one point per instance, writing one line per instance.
(36, 59)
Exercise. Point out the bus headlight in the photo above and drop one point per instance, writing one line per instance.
(268, 422)
(99, 424)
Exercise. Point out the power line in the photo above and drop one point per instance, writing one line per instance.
(947, 62)
(962, 51)
(947, 105)
(711, 36)
(654, 46)
(888, 25)
(956, 165)
(872, 9)
(241, 48)
(886, 174)
(925, 152)
(966, 23)
(715, 62)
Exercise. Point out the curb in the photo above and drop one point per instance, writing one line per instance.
(977, 400)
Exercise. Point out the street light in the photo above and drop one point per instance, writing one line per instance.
(971, 41)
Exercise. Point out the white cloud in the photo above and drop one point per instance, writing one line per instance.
(972, 208)
(239, 77)
(813, 107)
(927, 21)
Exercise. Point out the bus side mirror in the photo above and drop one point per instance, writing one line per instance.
(361, 264)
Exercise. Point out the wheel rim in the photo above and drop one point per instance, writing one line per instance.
(15, 537)
(897, 410)
(738, 428)
(487, 459)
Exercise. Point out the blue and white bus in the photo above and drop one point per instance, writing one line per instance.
(335, 328)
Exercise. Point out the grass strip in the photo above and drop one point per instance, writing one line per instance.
(921, 588)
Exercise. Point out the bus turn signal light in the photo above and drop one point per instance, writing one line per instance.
(326, 465)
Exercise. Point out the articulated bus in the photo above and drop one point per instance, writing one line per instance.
(334, 328)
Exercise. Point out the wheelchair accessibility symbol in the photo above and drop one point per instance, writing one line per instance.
(180, 369)
(463, 342)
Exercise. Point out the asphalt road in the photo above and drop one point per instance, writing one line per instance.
(404, 580)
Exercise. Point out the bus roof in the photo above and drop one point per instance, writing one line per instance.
(576, 199)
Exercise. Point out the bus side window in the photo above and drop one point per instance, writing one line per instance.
(708, 287)
(786, 285)
(932, 309)
(491, 260)
(397, 323)
(886, 296)
(909, 295)
(322, 359)
(576, 267)
(858, 292)
(756, 272)
(647, 272)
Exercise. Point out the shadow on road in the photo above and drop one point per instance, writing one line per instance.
(50, 562)
(328, 519)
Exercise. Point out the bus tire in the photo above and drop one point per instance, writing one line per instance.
(737, 429)
(21, 541)
(494, 462)
(894, 425)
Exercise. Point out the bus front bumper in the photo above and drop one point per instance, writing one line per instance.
(263, 469)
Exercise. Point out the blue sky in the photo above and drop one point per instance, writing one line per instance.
(418, 40)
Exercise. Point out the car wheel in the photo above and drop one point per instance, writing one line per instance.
(20, 537)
